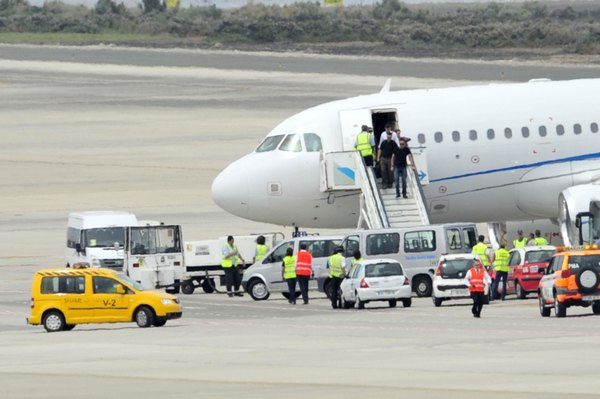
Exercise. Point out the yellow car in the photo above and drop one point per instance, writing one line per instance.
(60, 299)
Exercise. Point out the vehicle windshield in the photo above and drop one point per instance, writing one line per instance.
(104, 237)
(269, 143)
(131, 282)
(584, 261)
(538, 256)
(383, 270)
(456, 268)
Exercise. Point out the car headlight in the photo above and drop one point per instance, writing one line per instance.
(96, 262)
(166, 301)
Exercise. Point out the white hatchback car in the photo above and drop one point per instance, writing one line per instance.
(449, 280)
(375, 280)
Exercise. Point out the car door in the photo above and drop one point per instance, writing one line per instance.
(354, 281)
(109, 305)
(272, 269)
(547, 281)
(514, 268)
(345, 287)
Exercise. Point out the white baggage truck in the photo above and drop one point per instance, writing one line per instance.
(203, 260)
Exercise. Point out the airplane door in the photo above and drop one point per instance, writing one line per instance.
(350, 123)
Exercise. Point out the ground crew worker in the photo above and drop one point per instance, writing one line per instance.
(531, 239)
(477, 279)
(261, 249)
(303, 271)
(357, 257)
(288, 273)
(337, 272)
(229, 263)
(501, 267)
(480, 249)
(365, 143)
(539, 240)
(520, 242)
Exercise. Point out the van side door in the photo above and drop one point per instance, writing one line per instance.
(109, 305)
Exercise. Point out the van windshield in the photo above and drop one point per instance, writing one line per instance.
(103, 237)
(131, 282)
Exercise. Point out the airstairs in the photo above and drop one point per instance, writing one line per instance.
(346, 171)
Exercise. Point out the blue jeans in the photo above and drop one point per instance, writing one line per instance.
(499, 276)
(400, 171)
(291, 283)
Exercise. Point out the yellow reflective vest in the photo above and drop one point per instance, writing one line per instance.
(501, 260)
(363, 144)
(336, 269)
(261, 251)
(289, 267)
(522, 243)
(480, 249)
(226, 263)
(540, 241)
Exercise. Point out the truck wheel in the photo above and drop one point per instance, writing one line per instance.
(54, 321)
(144, 317)
(437, 302)
(521, 293)
(423, 286)
(392, 303)
(596, 308)
(187, 287)
(207, 286)
(407, 302)
(159, 323)
(258, 289)
(544, 311)
(560, 309)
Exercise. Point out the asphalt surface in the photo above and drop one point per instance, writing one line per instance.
(149, 137)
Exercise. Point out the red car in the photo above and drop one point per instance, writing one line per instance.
(527, 267)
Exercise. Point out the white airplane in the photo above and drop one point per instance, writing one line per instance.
(499, 152)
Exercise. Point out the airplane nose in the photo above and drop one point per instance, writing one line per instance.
(230, 190)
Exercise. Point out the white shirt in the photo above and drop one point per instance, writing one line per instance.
(383, 137)
(487, 280)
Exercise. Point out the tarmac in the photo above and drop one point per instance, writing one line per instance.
(92, 132)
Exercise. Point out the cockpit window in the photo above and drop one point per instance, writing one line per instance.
(312, 142)
(269, 143)
(291, 143)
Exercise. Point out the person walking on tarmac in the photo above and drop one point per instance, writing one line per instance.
(520, 242)
(480, 249)
(501, 267)
(229, 263)
(288, 273)
(365, 143)
(337, 272)
(261, 249)
(539, 240)
(477, 279)
(303, 271)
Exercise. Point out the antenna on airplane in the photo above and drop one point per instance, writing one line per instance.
(386, 86)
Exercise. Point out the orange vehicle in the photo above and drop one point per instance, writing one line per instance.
(571, 279)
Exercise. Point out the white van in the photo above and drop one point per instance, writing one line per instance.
(97, 238)
(264, 276)
(416, 248)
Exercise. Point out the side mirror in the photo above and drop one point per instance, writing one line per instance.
(120, 289)
(78, 248)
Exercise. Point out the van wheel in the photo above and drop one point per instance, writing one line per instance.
(159, 323)
(596, 308)
(544, 311)
(407, 302)
(54, 321)
(560, 309)
(521, 293)
(258, 289)
(187, 287)
(392, 303)
(207, 286)
(144, 317)
(423, 286)
(437, 302)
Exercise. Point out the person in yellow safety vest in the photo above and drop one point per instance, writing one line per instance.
(357, 258)
(520, 242)
(501, 267)
(229, 263)
(480, 250)
(365, 143)
(539, 240)
(288, 273)
(337, 271)
(261, 249)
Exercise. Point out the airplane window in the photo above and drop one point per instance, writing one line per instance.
(577, 128)
(525, 131)
(421, 138)
(491, 134)
(438, 137)
(560, 130)
(542, 131)
(269, 143)
(594, 127)
(473, 134)
(291, 143)
(455, 136)
(312, 142)
(508, 133)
